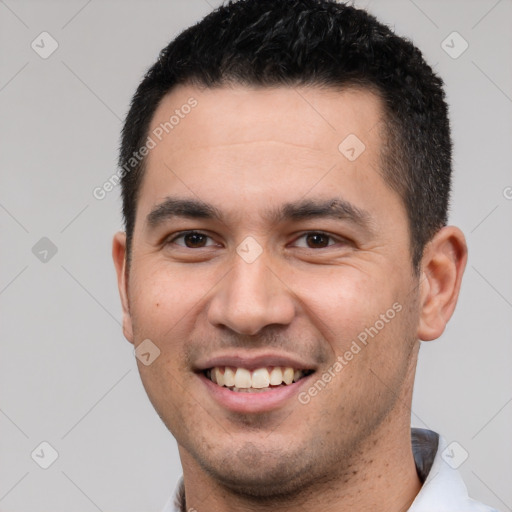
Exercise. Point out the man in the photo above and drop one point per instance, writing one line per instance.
(286, 175)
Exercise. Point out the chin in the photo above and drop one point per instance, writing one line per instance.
(250, 473)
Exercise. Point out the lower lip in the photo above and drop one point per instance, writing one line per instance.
(247, 402)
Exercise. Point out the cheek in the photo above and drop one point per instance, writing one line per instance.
(345, 301)
(163, 296)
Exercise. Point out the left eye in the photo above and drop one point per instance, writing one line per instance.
(192, 240)
(315, 240)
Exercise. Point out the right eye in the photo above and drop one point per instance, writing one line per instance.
(191, 240)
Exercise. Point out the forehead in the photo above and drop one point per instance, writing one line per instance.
(314, 118)
(264, 144)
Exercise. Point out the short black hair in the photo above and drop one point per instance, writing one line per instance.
(324, 43)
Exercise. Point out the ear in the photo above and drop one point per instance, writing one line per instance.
(119, 257)
(442, 267)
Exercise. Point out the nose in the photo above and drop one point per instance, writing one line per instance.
(250, 297)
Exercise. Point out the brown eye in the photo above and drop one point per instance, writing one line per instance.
(317, 240)
(192, 240)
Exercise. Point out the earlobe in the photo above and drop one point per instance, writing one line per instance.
(119, 257)
(443, 265)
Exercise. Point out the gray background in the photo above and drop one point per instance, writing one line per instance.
(68, 377)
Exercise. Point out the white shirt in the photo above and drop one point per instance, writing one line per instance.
(443, 489)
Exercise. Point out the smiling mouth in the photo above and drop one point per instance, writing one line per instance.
(260, 380)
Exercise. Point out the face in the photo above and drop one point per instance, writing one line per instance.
(266, 238)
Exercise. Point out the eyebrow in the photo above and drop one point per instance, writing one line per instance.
(334, 208)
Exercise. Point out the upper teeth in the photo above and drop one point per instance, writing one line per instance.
(259, 378)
